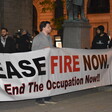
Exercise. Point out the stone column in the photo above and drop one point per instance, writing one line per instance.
(16, 14)
(76, 34)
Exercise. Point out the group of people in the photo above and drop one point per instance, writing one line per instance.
(20, 42)
(42, 40)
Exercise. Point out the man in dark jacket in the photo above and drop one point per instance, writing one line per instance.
(7, 44)
(101, 40)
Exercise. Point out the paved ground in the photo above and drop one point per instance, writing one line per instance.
(92, 100)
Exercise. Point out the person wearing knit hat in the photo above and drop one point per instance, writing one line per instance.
(101, 28)
(101, 40)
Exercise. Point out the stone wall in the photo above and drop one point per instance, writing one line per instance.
(16, 14)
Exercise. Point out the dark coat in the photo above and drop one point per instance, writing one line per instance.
(10, 46)
(24, 43)
(100, 42)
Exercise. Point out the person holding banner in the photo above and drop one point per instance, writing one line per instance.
(7, 43)
(41, 41)
(101, 40)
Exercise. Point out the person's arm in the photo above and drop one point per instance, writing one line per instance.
(35, 43)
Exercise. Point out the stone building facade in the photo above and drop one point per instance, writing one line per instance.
(95, 19)
(16, 14)
(27, 14)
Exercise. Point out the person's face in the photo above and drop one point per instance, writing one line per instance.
(24, 33)
(98, 31)
(4, 33)
(47, 29)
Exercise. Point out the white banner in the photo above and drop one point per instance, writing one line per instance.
(49, 72)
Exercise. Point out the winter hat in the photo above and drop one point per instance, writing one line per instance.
(101, 28)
